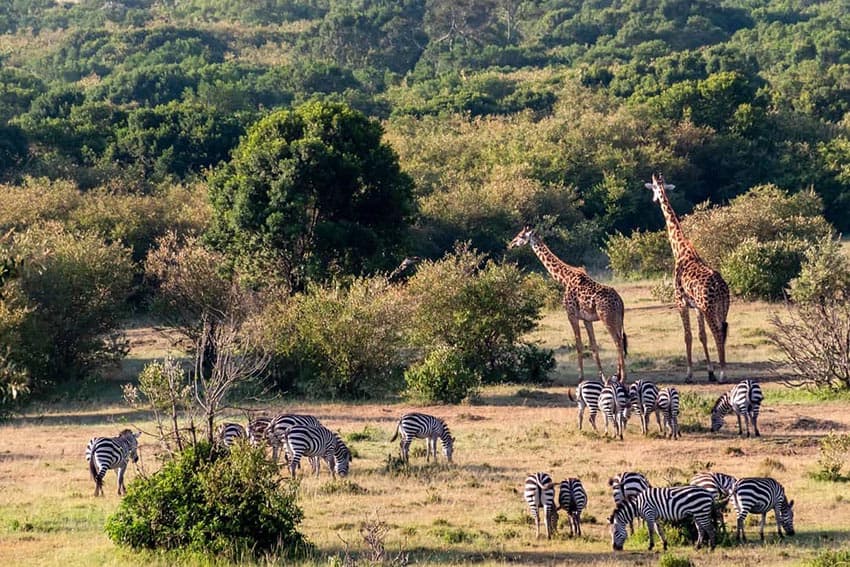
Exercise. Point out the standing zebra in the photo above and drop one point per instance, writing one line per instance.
(104, 453)
(540, 493)
(760, 495)
(674, 503)
(626, 486)
(257, 430)
(668, 406)
(229, 432)
(587, 396)
(719, 484)
(613, 403)
(643, 398)
(744, 399)
(319, 442)
(280, 425)
(424, 426)
(573, 498)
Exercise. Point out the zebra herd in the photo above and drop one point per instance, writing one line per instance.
(701, 501)
(643, 397)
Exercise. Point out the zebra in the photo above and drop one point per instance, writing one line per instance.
(279, 426)
(104, 453)
(672, 504)
(760, 495)
(744, 399)
(573, 498)
(424, 426)
(643, 397)
(540, 493)
(587, 396)
(229, 432)
(668, 406)
(319, 442)
(613, 405)
(626, 486)
(257, 430)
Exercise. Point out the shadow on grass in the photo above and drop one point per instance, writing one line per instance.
(528, 396)
(436, 556)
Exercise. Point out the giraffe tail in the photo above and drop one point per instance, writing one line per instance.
(625, 344)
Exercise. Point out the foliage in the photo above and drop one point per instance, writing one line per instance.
(339, 341)
(641, 255)
(830, 558)
(311, 191)
(824, 275)
(834, 452)
(441, 377)
(672, 560)
(762, 270)
(202, 500)
(812, 339)
(480, 310)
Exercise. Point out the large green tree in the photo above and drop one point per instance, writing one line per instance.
(311, 192)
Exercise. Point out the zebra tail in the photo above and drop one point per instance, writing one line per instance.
(570, 395)
(625, 344)
(395, 435)
(92, 469)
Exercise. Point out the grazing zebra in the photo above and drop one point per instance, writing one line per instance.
(229, 432)
(613, 404)
(643, 398)
(573, 498)
(668, 406)
(104, 453)
(760, 495)
(672, 504)
(319, 442)
(587, 396)
(719, 484)
(280, 425)
(744, 399)
(540, 493)
(424, 426)
(257, 430)
(626, 486)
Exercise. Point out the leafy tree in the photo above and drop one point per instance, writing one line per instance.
(311, 191)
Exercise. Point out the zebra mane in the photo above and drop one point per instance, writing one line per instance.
(626, 507)
(724, 398)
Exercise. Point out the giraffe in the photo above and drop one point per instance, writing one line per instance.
(697, 286)
(584, 300)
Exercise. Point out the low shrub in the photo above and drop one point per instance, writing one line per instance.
(442, 377)
(762, 270)
(641, 255)
(834, 452)
(837, 558)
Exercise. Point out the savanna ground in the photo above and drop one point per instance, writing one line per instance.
(473, 511)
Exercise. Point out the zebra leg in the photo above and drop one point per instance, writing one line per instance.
(592, 419)
(581, 407)
(660, 533)
(98, 481)
(761, 526)
(739, 530)
(778, 525)
(536, 517)
(405, 449)
(740, 429)
(650, 525)
(293, 464)
(754, 418)
(121, 489)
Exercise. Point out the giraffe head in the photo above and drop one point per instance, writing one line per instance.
(658, 187)
(524, 237)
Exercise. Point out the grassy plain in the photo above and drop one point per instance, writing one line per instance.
(471, 512)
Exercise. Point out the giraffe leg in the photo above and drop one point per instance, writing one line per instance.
(689, 339)
(591, 338)
(718, 331)
(579, 348)
(615, 329)
(703, 338)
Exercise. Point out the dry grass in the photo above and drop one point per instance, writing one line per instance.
(471, 512)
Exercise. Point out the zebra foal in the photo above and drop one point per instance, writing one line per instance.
(643, 399)
(104, 453)
(320, 443)
(744, 400)
(572, 498)
(668, 406)
(761, 495)
(613, 403)
(423, 426)
(540, 494)
(587, 397)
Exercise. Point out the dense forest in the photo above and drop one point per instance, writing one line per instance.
(450, 121)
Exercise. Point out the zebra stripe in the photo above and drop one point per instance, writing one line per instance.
(674, 503)
(319, 442)
(760, 495)
(719, 484)
(104, 453)
(668, 406)
(540, 493)
(229, 432)
(643, 398)
(613, 404)
(573, 498)
(587, 396)
(257, 430)
(280, 426)
(423, 426)
(627, 485)
(742, 400)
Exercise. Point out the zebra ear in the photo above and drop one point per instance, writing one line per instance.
(611, 481)
(791, 504)
(611, 519)
(137, 435)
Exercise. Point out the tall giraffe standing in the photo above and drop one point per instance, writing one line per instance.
(584, 300)
(697, 285)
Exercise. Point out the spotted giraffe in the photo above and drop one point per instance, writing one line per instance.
(697, 286)
(584, 300)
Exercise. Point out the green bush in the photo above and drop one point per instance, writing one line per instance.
(762, 270)
(824, 275)
(221, 502)
(839, 558)
(441, 377)
(641, 255)
(671, 560)
(834, 452)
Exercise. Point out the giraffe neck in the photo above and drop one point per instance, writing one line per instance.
(556, 267)
(678, 241)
